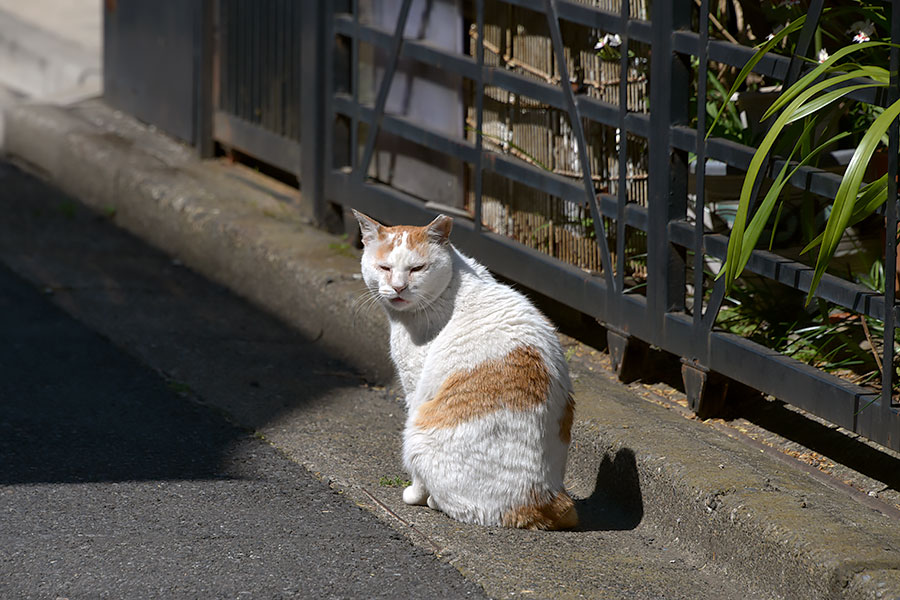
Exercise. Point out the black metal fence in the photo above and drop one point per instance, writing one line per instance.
(577, 179)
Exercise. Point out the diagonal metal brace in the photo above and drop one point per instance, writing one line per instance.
(362, 167)
(578, 130)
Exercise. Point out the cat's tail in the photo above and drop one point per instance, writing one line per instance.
(548, 511)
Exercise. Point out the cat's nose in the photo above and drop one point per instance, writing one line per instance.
(399, 287)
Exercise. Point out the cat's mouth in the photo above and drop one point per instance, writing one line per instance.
(398, 301)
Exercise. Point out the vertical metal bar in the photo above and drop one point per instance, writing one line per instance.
(243, 53)
(890, 240)
(793, 73)
(578, 130)
(360, 172)
(354, 77)
(714, 304)
(219, 46)
(804, 40)
(670, 81)
(239, 78)
(233, 67)
(203, 92)
(315, 122)
(277, 49)
(295, 108)
(281, 72)
(285, 71)
(269, 63)
(477, 168)
(253, 57)
(263, 63)
(700, 170)
(622, 184)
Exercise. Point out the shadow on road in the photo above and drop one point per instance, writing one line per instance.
(73, 408)
(616, 503)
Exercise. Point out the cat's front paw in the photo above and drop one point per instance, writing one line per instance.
(415, 494)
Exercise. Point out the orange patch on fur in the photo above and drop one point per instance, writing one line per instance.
(391, 237)
(518, 381)
(548, 513)
(415, 236)
(382, 251)
(565, 422)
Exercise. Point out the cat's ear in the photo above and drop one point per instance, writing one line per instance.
(368, 227)
(439, 229)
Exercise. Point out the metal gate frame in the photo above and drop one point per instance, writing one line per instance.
(659, 317)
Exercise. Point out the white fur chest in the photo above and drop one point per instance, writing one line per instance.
(408, 356)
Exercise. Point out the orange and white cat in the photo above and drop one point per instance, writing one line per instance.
(487, 386)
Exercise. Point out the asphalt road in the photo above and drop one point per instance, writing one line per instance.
(114, 483)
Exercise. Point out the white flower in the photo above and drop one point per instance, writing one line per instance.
(862, 31)
(608, 40)
(823, 55)
(775, 31)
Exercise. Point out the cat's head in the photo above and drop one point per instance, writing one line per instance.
(408, 267)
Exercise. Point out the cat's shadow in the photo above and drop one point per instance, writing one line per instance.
(616, 503)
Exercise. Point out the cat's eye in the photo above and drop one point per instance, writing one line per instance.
(385, 268)
(415, 268)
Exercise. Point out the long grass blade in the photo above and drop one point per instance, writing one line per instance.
(757, 224)
(847, 193)
(742, 75)
(869, 199)
(817, 104)
(801, 84)
(735, 240)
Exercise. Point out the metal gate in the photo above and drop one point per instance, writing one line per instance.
(603, 218)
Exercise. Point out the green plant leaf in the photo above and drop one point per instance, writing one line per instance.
(734, 118)
(817, 104)
(757, 224)
(869, 199)
(742, 76)
(802, 83)
(735, 241)
(775, 225)
(845, 199)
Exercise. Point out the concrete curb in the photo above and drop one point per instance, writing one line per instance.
(764, 522)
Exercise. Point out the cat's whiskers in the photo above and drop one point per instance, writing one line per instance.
(365, 301)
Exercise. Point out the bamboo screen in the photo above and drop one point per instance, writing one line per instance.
(518, 39)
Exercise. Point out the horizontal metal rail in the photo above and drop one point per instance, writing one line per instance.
(549, 94)
(256, 141)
